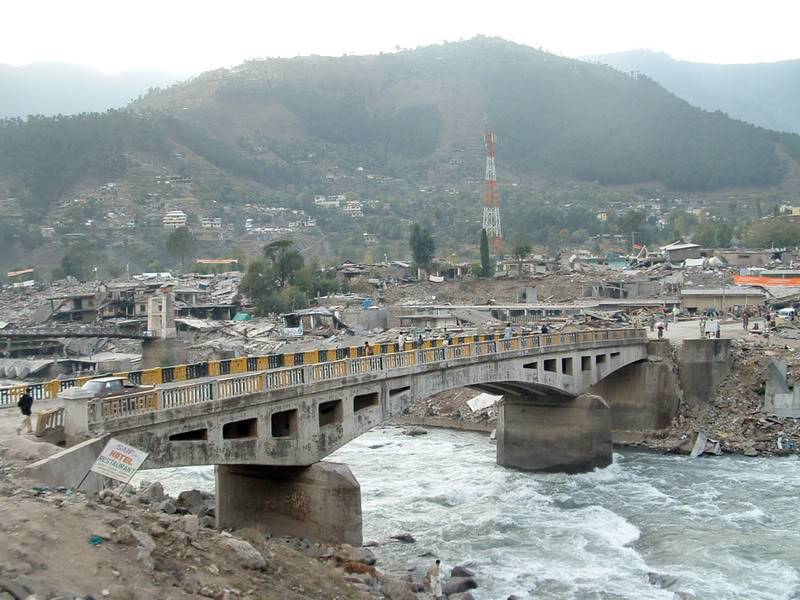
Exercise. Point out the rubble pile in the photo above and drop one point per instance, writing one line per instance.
(735, 416)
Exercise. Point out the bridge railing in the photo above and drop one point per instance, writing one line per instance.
(223, 388)
(185, 395)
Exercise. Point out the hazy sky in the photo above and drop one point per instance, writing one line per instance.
(191, 36)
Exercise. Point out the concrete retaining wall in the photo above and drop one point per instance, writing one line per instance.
(68, 467)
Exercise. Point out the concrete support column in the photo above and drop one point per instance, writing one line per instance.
(321, 502)
(703, 365)
(554, 433)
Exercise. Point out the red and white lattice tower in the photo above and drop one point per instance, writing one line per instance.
(491, 197)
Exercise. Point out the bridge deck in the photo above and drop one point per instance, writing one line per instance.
(103, 412)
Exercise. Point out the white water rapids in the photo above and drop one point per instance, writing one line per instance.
(647, 527)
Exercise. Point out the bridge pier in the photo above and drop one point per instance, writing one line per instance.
(554, 433)
(321, 502)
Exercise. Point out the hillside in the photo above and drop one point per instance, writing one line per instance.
(764, 94)
(555, 116)
(399, 134)
(58, 88)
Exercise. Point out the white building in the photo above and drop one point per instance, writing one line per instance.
(353, 208)
(211, 222)
(174, 219)
(329, 202)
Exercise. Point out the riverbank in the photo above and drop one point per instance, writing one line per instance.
(141, 543)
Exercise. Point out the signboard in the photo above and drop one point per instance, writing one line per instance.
(119, 461)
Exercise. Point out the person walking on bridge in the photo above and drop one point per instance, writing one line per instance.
(25, 403)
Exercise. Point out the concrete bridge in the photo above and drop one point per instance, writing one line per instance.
(267, 431)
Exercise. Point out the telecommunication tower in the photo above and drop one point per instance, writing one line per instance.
(491, 198)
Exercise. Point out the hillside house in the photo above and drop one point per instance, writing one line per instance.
(174, 219)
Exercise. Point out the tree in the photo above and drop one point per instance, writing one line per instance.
(75, 262)
(180, 244)
(422, 246)
(487, 269)
(286, 261)
(522, 249)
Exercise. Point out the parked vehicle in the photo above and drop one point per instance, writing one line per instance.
(103, 387)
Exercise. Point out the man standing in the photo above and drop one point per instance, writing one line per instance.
(434, 577)
(25, 403)
(401, 343)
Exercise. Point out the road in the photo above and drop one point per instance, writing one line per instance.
(690, 329)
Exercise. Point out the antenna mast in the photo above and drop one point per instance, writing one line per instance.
(491, 197)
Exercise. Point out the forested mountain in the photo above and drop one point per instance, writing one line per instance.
(58, 88)
(765, 94)
(555, 116)
(416, 116)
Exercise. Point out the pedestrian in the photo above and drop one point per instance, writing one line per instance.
(745, 321)
(368, 351)
(717, 328)
(434, 577)
(419, 341)
(25, 403)
(652, 322)
(660, 327)
(401, 342)
(709, 331)
(544, 328)
(702, 327)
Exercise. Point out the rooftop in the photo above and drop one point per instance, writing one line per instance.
(731, 291)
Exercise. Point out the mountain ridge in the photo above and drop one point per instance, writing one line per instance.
(51, 88)
(764, 94)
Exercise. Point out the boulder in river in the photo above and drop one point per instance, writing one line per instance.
(406, 538)
(458, 585)
(414, 431)
(461, 571)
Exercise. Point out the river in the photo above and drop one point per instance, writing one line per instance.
(648, 527)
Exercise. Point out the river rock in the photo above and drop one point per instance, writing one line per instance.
(248, 556)
(458, 585)
(395, 589)
(192, 500)
(124, 535)
(406, 538)
(460, 571)
(208, 522)
(153, 492)
(190, 525)
(347, 553)
(414, 431)
(167, 506)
